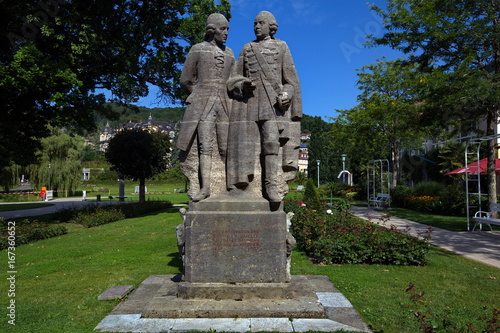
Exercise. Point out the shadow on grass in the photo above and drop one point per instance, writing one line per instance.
(174, 261)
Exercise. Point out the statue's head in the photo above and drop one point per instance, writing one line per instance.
(217, 28)
(265, 24)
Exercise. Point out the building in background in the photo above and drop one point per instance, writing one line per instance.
(150, 125)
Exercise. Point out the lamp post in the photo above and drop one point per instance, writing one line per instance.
(343, 180)
(318, 161)
(50, 175)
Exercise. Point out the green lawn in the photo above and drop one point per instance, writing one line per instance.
(58, 280)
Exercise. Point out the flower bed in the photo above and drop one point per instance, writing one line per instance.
(338, 237)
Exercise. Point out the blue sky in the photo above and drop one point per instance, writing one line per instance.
(325, 38)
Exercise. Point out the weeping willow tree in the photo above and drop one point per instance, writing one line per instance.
(59, 166)
(9, 176)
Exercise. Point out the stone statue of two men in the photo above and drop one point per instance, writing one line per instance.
(246, 112)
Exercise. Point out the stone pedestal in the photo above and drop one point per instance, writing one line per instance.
(230, 240)
(154, 307)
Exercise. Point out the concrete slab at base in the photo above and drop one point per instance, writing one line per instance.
(128, 316)
(302, 301)
(237, 291)
(130, 323)
(115, 292)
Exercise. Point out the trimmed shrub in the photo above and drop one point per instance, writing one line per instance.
(128, 210)
(98, 217)
(450, 200)
(429, 188)
(338, 237)
(400, 194)
(137, 209)
(311, 196)
(27, 232)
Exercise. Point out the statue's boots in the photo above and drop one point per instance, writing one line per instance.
(271, 178)
(205, 171)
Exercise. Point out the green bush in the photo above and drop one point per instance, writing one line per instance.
(311, 196)
(27, 232)
(343, 190)
(338, 237)
(450, 200)
(100, 216)
(19, 197)
(429, 188)
(425, 204)
(453, 201)
(137, 209)
(92, 214)
(400, 194)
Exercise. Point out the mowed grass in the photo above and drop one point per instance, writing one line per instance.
(458, 291)
(58, 280)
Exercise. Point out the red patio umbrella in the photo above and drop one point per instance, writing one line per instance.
(473, 168)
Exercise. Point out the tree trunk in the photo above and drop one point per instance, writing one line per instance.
(395, 164)
(142, 190)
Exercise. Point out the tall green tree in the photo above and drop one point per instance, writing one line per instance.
(139, 155)
(388, 106)
(457, 41)
(319, 149)
(59, 164)
(359, 141)
(55, 55)
(9, 176)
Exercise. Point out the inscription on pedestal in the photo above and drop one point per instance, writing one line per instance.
(248, 239)
(227, 247)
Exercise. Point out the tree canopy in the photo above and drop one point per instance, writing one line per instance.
(457, 43)
(59, 164)
(139, 155)
(55, 55)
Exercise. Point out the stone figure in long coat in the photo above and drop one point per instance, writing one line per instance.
(265, 123)
(204, 77)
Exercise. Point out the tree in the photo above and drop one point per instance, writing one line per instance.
(360, 141)
(139, 155)
(388, 106)
(458, 42)
(54, 54)
(59, 164)
(319, 149)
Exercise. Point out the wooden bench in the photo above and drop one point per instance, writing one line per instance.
(481, 217)
(382, 199)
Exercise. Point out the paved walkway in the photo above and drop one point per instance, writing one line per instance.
(482, 246)
(56, 205)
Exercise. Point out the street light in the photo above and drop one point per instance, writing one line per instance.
(343, 173)
(50, 174)
(343, 161)
(318, 161)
